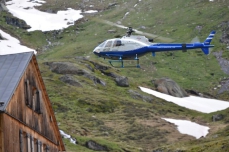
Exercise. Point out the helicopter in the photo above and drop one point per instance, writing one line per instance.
(131, 47)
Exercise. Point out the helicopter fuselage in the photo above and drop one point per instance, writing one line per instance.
(130, 47)
(133, 46)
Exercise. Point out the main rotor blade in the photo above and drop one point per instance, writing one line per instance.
(165, 39)
(195, 39)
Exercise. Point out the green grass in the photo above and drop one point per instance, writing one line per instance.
(109, 114)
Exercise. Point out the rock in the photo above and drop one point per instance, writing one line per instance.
(70, 68)
(225, 86)
(224, 63)
(16, 22)
(2, 6)
(136, 95)
(217, 117)
(50, 11)
(70, 80)
(122, 81)
(98, 66)
(95, 146)
(224, 38)
(168, 86)
(65, 68)
(111, 31)
(193, 92)
(1, 37)
(95, 79)
(111, 5)
(102, 68)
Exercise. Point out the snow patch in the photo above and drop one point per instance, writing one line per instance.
(12, 45)
(66, 136)
(192, 102)
(189, 128)
(91, 11)
(43, 21)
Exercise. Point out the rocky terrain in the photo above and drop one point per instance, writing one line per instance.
(101, 106)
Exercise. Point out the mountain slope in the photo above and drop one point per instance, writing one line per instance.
(114, 116)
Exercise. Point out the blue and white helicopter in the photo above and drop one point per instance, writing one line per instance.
(131, 47)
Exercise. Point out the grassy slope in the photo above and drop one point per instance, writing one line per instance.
(117, 120)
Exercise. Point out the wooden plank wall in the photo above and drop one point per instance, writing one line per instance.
(12, 135)
(36, 123)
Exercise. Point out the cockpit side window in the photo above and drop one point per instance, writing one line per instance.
(117, 43)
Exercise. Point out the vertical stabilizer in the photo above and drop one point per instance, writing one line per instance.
(209, 38)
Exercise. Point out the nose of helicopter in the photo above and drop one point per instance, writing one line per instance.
(96, 51)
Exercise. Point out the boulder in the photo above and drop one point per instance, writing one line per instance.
(111, 5)
(170, 87)
(95, 79)
(70, 68)
(95, 146)
(16, 22)
(1, 37)
(65, 68)
(102, 68)
(122, 81)
(136, 95)
(217, 117)
(70, 80)
(98, 66)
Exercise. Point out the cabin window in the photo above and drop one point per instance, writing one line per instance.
(46, 148)
(117, 43)
(35, 144)
(24, 142)
(28, 143)
(38, 146)
(108, 44)
(21, 136)
(32, 97)
(27, 92)
(51, 118)
(32, 143)
(37, 104)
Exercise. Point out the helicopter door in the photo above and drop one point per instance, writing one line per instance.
(116, 45)
(107, 47)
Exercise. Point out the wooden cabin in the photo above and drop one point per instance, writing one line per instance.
(27, 120)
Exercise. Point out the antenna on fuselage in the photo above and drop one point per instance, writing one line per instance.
(129, 31)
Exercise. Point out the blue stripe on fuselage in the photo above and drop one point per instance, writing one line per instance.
(131, 54)
(173, 47)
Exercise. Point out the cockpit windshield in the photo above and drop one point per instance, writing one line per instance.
(102, 44)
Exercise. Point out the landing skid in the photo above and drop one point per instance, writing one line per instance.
(122, 65)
